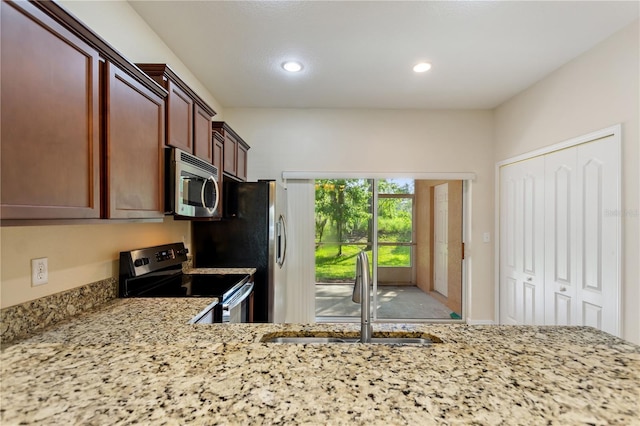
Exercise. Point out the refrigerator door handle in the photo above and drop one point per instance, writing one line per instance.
(281, 250)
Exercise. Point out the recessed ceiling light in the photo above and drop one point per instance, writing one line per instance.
(422, 67)
(292, 66)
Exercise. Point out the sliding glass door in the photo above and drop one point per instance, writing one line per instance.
(343, 228)
(395, 222)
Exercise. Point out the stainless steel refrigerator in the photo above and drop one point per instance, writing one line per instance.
(252, 233)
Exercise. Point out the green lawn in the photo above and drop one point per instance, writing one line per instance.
(333, 268)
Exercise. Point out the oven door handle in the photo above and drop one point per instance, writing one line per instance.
(239, 297)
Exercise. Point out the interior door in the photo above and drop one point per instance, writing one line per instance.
(522, 242)
(441, 238)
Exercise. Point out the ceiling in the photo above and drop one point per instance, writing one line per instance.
(360, 54)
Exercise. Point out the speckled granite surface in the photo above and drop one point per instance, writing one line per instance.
(136, 361)
(27, 318)
(23, 320)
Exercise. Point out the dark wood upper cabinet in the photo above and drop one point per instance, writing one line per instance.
(179, 119)
(202, 136)
(218, 153)
(134, 161)
(230, 154)
(241, 163)
(82, 127)
(186, 113)
(50, 149)
(235, 152)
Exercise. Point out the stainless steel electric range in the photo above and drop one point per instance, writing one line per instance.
(158, 272)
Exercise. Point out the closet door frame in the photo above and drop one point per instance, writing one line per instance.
(614, 131)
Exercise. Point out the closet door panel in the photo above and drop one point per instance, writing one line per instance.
(510, 309)
(561, 199)
(532, 254)
(598, 220)
(522, 242)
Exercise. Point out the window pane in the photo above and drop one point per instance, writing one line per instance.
(395, 186)
(332, 267)
(343, 210)
(343, 226)
(395, 217)
(396, 256)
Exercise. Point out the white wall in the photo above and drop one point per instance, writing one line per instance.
(596, 90)
(383, 141)
(81, 254)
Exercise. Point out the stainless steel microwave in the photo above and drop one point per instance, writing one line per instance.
(192, 185)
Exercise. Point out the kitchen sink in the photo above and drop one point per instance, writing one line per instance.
(396, 338)
(374, 340)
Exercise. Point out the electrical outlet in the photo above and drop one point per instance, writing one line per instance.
(39, 271)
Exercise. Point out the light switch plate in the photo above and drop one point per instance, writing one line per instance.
(486, 237)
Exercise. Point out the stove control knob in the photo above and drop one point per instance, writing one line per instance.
(142, 261)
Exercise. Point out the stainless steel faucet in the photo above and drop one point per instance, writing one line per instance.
(361, 294)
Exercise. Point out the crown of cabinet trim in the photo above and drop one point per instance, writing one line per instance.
(234, 161)
(165, 71)
(108, 52)
(217, 125)
(217, 136)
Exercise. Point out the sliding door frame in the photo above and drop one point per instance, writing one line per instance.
(308, 289)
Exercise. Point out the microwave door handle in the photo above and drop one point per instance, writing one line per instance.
(217, 187)
(204, 186)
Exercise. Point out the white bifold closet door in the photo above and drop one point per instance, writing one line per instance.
(559, 237)
(522, 243)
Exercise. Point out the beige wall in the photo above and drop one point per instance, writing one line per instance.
(81, 254)
(596, 90)
(78, 254)
(120, 25)
(350, 140)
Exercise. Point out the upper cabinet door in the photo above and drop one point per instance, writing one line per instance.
(188, 117)
(230, 154)
(134, 147)
(235, 152)
(202, 140)
(241, 166)
(50, 118)
(218, 153)
(179, 118)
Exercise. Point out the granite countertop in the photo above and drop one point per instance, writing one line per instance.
(138, 361)
(210, 271)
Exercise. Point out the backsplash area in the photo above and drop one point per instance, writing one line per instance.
(22, 320)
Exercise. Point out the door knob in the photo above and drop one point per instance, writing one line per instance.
(529, 279)
(563, 288)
